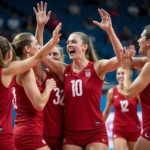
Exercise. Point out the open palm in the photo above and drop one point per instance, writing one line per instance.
(106, 23)
(40, 13)
(57, 34)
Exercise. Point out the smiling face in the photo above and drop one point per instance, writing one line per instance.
(120, 75)
(75, 47)
(144, 41)
(56, 54)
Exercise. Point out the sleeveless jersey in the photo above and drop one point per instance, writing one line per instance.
(145, 104)
(82, 99)
(54, 111)
(126, 119)
(28, 121)
(5, 107)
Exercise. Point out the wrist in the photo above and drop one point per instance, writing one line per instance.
(41, 26)
(110, 31)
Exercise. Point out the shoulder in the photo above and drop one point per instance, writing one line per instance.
(146, 67)
(110, 92)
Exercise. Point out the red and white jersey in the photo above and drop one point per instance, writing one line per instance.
(126, 119)
(82, 99)
(145, 104)
(5, 107)
(28, 121)
(54, 110)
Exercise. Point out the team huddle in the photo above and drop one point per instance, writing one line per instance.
(58, 106)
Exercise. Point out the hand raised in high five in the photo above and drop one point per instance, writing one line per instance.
(106, 23)
(57, 34)
(132, 51)
(126, 59)
(40, 13)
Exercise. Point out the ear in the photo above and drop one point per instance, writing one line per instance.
(148, 43)
(8, 55)
(26, 49)
(85, 47)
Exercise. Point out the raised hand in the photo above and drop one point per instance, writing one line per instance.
(126, 58)
(40, 13)
(56, 34)
(106, 23)
(132, 51)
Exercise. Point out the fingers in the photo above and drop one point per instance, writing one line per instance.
(51, 82)
(49, 14)
(100, 12)
(96, 23)
(40, 6)
(45, 6)
(105, 13)
(132, 50)
(57, 29)
(56, 33)
(34, 9)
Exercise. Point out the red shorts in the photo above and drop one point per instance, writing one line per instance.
(129, 136)
(55, 143)
(28, 142)
(83, 138)
(146, 135)
(6, 142)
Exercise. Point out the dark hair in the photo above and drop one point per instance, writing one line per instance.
(147, 35)
(5, 46)
(90, 52)
(20, 41)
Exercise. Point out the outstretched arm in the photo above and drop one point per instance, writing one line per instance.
(18, 67)
(41, 19)
(140, 83)
(106, 25)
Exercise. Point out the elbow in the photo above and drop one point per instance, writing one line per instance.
(39, 107)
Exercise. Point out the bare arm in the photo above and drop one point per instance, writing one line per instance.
(106, 65)
(18, 67)
(107, 26)
(37, 98)
(128, 77)
(41, 19)
(55, 66)
(139, 83)
(108, 104)
(139, 62)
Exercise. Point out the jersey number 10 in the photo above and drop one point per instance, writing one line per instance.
(77, 88)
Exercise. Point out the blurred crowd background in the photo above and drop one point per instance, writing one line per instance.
(129, 17)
